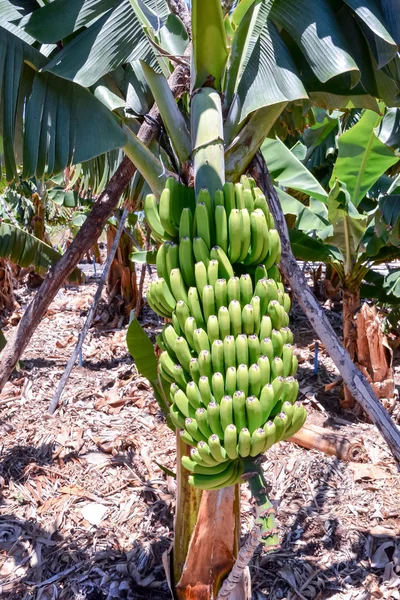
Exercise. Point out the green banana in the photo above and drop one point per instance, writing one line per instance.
(235, 314)
(258, 227)
(230, 441)
(183, 405)
(244, 444)
(229, 352)
(286, 302)
(221, 293)
(225, 269)
(298, 420)
(277, 342)
(275, 314)
(194, 467)
(195, 306)
(245, 241)
(205, 365)
(183, 352)
(205, 454)
(265, 327)
(267, 401)
(154, 304)
(202, 422)
(194, 431)
(226, 411)
(230, 381)
(208, 299)
(248, 319)
(248, 200)
(256, 304)
(193, 395)
(229, 197)
(267, 349)
(203, 224)
(212, 272)
(246, 289)
(176, 417)
(217, 451)
(195, 456)
(295, 364)
(242, 349)
(204, 197)
(186, 261)
(186, 224)
(287, 335)
(200, 274)
(272, 289)
(217, 356)
(288, 409)
(234, 226)
(233, 287)
(239, 409)
(210, 482)
(242, 378)
(281, 423)
(276, 368)
(254, 348)
(161, 262)
(218, 386)
(160, 342)
(213, 328)
(274, 252)
(194, 370)
(172, 257)
(219, 199)
(205, 390)
(287, 356)
(200, 340)
(224, 322)
(261, 290)
(190, 327)
(170, 336)
(153, 218)
(221, 228)
(260, 273)
(254, 380)
(165, 213)
(167, 364)
(182, 312)
(270, 432)
(178, 287)
(213, 411)
(201, 251)
(277, 385)
(274, 273)
(254, 413)
(239, 200)
(185, 437)
(258, 442)
(265, 370)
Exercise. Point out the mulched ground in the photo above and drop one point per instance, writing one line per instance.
(86, 512)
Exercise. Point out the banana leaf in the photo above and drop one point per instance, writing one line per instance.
(26, 250)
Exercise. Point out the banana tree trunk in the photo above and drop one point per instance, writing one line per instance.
(122, 281)
(351, 305)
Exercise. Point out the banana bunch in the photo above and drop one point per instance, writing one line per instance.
(227, 353)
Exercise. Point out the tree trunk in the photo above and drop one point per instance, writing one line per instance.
(7, 300)
(352, 377)
(351, 306)
(121, 281)
(86, 237)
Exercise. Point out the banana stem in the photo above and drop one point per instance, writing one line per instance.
(265, 512)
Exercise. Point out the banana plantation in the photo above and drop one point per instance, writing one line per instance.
(200, 299)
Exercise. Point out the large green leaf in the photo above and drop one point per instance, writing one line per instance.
(267, 74)
(288, 171)
(305, 247)
(317, 33)
(118, 37)
(382, 43)
(389, 128)
(56, 122)
(26, 250)
(362, 157)
(306, 219)
(142, 350)
(60, 18)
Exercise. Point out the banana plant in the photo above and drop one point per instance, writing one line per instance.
(71, 81)
(356, 226)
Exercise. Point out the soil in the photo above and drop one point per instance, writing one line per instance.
(87, 496)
